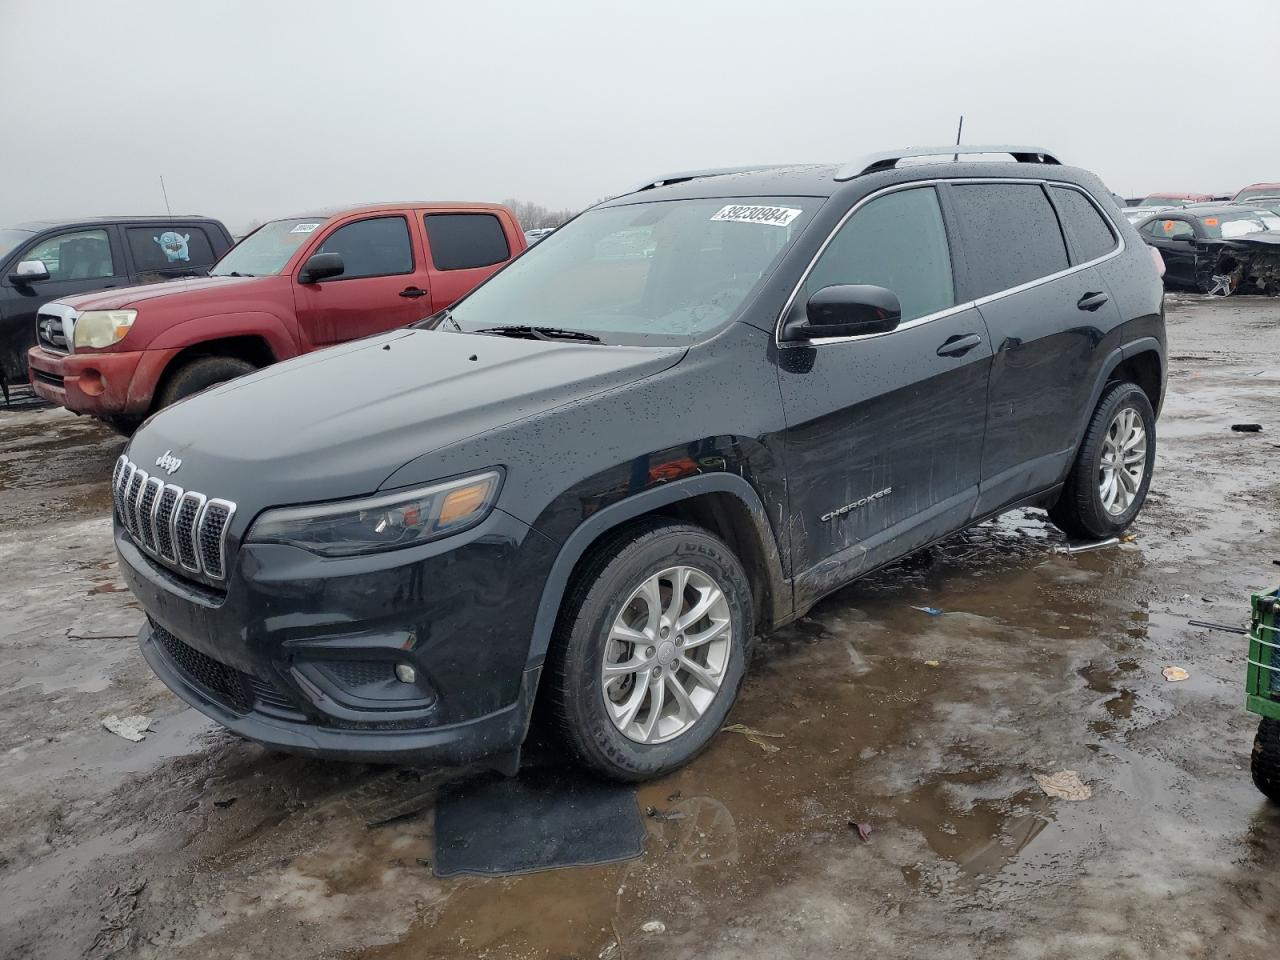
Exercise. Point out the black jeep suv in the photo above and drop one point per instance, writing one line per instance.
(679, 420)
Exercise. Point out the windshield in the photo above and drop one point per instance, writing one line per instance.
(661, 272)
(10, 238)
(1158, 201)
(1270, 193)
(1230, 227)
(265, 252)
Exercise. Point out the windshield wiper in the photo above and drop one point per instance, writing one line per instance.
(234, 273)
(541, 333)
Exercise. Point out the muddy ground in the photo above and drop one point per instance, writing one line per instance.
(196, 844)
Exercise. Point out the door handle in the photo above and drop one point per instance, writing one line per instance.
(411, 292)
(1092, 301)
(959, 345)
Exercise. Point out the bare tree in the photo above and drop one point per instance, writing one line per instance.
(532, 216)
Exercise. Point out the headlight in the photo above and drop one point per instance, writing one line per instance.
(102, 328)
(387, 522)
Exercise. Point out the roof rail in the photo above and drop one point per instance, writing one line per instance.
(698, 175)
(889, 159)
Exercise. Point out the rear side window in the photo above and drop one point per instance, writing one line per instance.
(461, 241)
(1092, 236)
(172, 249)
(377, 247)
(1011, 235)
(82, 255)
(897, 241)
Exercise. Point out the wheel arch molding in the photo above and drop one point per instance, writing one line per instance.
(757, 546)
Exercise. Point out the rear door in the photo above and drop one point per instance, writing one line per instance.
(884, 431)
(465, 249)
(1047, 319)
(381, 288)
(168, 250)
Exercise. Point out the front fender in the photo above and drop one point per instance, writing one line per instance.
(219, 326)
(647, 501)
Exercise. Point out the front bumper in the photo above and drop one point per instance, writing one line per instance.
(300, 652)
(98, 384)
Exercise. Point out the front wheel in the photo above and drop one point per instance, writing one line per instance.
(1108, 482)
(201, 374)
(650, 650)
(1265, 764)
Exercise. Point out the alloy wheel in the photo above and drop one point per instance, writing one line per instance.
(666, 654)
(1124, 461)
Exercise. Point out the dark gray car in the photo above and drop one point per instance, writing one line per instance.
(678, 421)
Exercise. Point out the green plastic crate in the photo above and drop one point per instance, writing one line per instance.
(1262, 683)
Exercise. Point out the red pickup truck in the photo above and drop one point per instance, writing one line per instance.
(290, 287)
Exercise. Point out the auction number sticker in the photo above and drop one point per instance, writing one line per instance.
(304, 228)
(775, 216)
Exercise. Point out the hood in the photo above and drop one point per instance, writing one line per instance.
(339, 422)
(1263, 238)
(132, 296)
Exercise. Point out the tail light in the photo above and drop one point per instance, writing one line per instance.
(1159, 261)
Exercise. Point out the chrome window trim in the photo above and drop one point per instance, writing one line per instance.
(959, 307)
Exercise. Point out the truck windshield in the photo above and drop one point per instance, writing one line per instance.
(10, 238)
(265, 252)
(662, 272)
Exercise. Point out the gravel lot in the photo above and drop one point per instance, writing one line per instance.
(196, 844)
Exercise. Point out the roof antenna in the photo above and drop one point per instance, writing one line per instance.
(959, 130)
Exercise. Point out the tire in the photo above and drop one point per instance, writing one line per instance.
(1081, 510)
(1265, 764)
(200, 374)
(609, 586)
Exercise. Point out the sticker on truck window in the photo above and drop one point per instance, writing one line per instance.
(775, 216)
(304, 228)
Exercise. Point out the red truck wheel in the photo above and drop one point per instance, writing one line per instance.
(200, 374)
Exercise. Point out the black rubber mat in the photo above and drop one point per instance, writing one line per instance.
(539, 820)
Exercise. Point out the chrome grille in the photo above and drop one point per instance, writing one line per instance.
(51, 333)
(179, 526)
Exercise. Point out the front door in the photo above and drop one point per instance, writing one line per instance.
(78, 261)
(884, 432)
(383, 285)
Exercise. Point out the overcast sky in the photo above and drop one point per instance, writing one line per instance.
(254, 110)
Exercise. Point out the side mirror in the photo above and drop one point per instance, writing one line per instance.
(844, 310)
(322, 266)
(29, 271)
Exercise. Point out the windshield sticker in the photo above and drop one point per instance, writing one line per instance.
(774, 216)
(304, 228)
(174, 245)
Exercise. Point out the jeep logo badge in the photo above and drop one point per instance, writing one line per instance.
(168, 462)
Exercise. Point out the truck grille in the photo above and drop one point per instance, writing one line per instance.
(50, 332)
(181, 527)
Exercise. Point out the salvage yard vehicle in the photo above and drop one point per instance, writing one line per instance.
(59, 258)
(1164, 201)
(290, 287)
(1257, 191)
(1262, 691)
(1218, 248)
(682, 419)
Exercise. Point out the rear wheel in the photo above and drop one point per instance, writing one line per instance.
(1265, 765)
(1108, 482)
(200, 374)
(650, 650)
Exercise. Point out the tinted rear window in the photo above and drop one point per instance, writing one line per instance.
(1093, 238)
(171, 249)
(1011, 235)
(460, 241)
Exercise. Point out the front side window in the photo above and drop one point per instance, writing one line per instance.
(1093, 237)
(83, 255)
(266, 251)
(378, 247)
(1012, 235)
(172, 250)
(462, 241)
(666, 271)
(1170, 230)
(898, 242)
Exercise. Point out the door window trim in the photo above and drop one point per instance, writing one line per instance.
(937, 182)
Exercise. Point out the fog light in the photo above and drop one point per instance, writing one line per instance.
(405, 673)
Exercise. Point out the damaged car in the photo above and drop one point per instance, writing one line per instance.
(677, 422)
(1218, 249)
